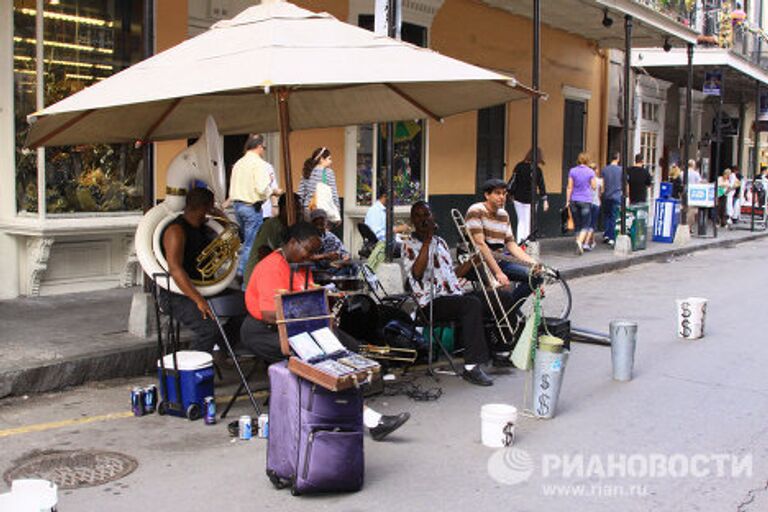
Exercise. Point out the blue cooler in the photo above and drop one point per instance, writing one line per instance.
(665, 220)
(196, 381)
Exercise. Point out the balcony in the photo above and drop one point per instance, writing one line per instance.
(682, 11)
(733, 30)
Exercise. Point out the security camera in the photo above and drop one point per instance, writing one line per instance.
(607, 21)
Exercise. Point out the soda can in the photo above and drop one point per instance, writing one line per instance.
(209, 405)
(137, 401)
(263, 425)
(245, 427)
(150, 399)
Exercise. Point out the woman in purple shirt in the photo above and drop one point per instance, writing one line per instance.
(578, 197)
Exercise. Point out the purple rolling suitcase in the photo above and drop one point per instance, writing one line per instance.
(315, 436)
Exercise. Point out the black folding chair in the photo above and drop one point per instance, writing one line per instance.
(233, 305)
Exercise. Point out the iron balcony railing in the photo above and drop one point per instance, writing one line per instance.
(684, 12)
(730, 27)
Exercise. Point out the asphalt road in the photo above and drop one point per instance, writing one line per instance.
(688, 433)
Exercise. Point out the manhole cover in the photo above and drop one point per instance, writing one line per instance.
(73, 469)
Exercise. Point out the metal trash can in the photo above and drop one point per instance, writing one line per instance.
(548, 370)
(637, 224)
(623, 343)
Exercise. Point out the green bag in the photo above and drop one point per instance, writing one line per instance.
(444, 335)
(523, 354)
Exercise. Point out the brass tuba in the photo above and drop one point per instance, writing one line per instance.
(203, 161)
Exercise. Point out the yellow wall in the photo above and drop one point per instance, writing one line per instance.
(492, 38)
(171, 29)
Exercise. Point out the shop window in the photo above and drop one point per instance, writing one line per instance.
(83, 42)
(409, 168)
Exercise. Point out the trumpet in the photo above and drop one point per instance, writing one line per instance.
(488, 284)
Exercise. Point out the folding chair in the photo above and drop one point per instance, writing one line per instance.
(233, 305)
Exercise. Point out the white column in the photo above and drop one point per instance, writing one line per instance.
(9, 270)
(40, 105)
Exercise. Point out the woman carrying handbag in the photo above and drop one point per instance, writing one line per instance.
(317, 187)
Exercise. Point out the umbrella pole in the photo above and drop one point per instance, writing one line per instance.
(285, 152)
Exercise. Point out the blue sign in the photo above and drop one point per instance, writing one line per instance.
(713, 83)
(702, 195)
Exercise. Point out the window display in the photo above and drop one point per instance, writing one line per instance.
(83, 42)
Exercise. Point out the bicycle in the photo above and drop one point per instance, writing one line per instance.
(555, 293)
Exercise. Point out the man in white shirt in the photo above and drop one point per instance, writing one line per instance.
(249, 187)
(376, 217)
(694, 178)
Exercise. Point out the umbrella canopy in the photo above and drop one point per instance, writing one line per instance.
(331, 73)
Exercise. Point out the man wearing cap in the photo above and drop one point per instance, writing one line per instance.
(488, 225)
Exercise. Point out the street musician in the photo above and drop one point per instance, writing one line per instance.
(488, 224)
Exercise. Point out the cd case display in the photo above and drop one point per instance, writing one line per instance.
(304, 323)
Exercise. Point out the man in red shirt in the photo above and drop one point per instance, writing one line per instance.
(259, 330)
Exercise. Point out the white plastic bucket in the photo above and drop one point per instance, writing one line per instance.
(188, 360)
(33, 495)
(497, 421)
(691, 314)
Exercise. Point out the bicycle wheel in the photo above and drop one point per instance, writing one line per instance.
(555, 298)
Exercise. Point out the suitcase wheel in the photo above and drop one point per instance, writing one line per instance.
(294, 490)
(193, 412)
(162, 409)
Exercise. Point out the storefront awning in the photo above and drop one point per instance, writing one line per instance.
(739, 75)
(585, 18)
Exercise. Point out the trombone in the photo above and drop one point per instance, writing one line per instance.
(487, 281)
(387, 353)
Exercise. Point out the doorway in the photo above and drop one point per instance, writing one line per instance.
(573, 135)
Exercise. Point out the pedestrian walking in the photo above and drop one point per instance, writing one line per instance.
(725, 197)
(317, 187)
(639, 180)
(249, 187)
(519, 187)
(581, 184)
(736, 179)
(611, 175)
(676, 179)
(594, 213)
(694, 178)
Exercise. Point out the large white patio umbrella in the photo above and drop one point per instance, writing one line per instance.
(273, 67)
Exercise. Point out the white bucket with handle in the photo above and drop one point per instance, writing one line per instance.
(497, 422)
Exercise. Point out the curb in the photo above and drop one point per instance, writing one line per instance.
(638, 258)
(55, 376)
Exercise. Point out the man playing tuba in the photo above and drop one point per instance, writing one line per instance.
(183, 240)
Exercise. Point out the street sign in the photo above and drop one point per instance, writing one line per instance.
(763, 116)
(701, 195)
(713, 83)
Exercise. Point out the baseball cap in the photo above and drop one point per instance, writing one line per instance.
(494, 183)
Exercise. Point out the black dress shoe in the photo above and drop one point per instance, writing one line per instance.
(388, 424)
(477, 376)
(502, 360)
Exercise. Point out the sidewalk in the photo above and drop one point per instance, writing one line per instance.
(50, 343)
